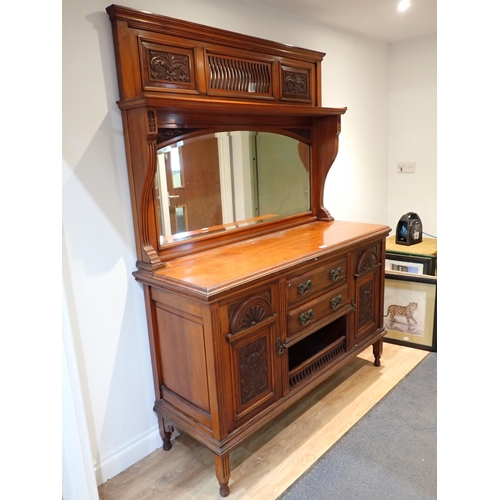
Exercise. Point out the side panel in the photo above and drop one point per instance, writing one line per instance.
(180, 336)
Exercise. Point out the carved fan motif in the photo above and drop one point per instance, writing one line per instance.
(368, 261)
(253, 370)
(251, 312)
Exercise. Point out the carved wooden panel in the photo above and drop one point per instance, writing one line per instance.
(167, 67)
(253, 370)
(368, 261)
(245, 76)
(365, 305)
(295, 84)
(250, 312)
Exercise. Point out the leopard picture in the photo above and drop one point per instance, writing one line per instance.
(403, 311)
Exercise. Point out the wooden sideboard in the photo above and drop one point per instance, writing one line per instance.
(241, 332)
(245, 314)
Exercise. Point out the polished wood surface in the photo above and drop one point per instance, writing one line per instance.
(218, 268)
(273, 458)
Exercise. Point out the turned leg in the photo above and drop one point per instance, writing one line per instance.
(165, 433)
(222, 471)
(378, 348)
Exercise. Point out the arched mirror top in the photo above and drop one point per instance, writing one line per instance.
(211, 183)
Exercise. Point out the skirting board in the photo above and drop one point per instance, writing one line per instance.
(117, 462)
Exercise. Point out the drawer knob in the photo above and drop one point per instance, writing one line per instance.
(336, 273)
(336, 301)
(304, 287)
(305, 317)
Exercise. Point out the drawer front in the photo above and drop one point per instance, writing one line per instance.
(327, 306)
(316, 281)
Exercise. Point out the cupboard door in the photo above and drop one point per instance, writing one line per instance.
(367, 294)
(254, 371)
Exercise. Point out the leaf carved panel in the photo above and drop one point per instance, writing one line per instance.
(253, 368)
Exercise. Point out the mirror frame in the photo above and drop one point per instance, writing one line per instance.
(183, 99)
(167, 137)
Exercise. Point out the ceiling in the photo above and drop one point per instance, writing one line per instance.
(376, 19)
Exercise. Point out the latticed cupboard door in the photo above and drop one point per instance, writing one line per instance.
(367, 293)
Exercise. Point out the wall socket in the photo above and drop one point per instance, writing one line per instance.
(406, 167)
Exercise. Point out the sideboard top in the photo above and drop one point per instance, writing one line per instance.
(218, 269)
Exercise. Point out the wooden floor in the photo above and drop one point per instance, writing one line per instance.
(273, 458)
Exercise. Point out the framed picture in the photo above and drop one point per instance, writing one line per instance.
(410, 310)
(407, 263)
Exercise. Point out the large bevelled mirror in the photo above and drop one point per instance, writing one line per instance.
(226, 180)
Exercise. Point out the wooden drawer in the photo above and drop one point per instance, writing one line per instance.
(316, 281)
(324, 308)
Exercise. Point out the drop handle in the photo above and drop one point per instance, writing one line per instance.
(305, 317)
(336, 301)
(336, 273)
(304, 287)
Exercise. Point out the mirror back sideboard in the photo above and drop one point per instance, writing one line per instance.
(246, 318)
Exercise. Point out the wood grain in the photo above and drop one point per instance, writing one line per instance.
(274, 457)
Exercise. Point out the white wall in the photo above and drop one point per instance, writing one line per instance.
(105, 304)
(413, 131)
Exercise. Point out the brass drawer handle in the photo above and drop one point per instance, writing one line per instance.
(305, 317)
(336, 273)
(304, 287)
(336, 301)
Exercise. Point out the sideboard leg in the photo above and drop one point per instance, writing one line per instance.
(165, 432)
(378, 348)
(222, 471)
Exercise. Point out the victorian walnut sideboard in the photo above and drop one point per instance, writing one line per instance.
(254, 294)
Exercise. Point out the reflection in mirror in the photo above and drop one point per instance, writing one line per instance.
(222, 181)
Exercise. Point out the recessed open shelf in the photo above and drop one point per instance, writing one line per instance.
(316, 351)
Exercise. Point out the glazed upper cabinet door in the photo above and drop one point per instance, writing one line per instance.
(251, 345)
(367, 280)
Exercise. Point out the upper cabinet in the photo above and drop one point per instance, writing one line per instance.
(166, 56)
(225, 135)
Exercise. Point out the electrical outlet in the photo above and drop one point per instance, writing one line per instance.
(406, 167)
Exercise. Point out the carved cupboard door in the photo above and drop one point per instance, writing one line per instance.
(253, 332)
(367, 293)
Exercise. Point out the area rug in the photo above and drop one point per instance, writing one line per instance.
(390, 454)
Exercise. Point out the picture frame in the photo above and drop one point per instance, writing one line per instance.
(410, 310)
(415, 264)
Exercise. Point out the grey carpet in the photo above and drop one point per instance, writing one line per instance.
(390, 454)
